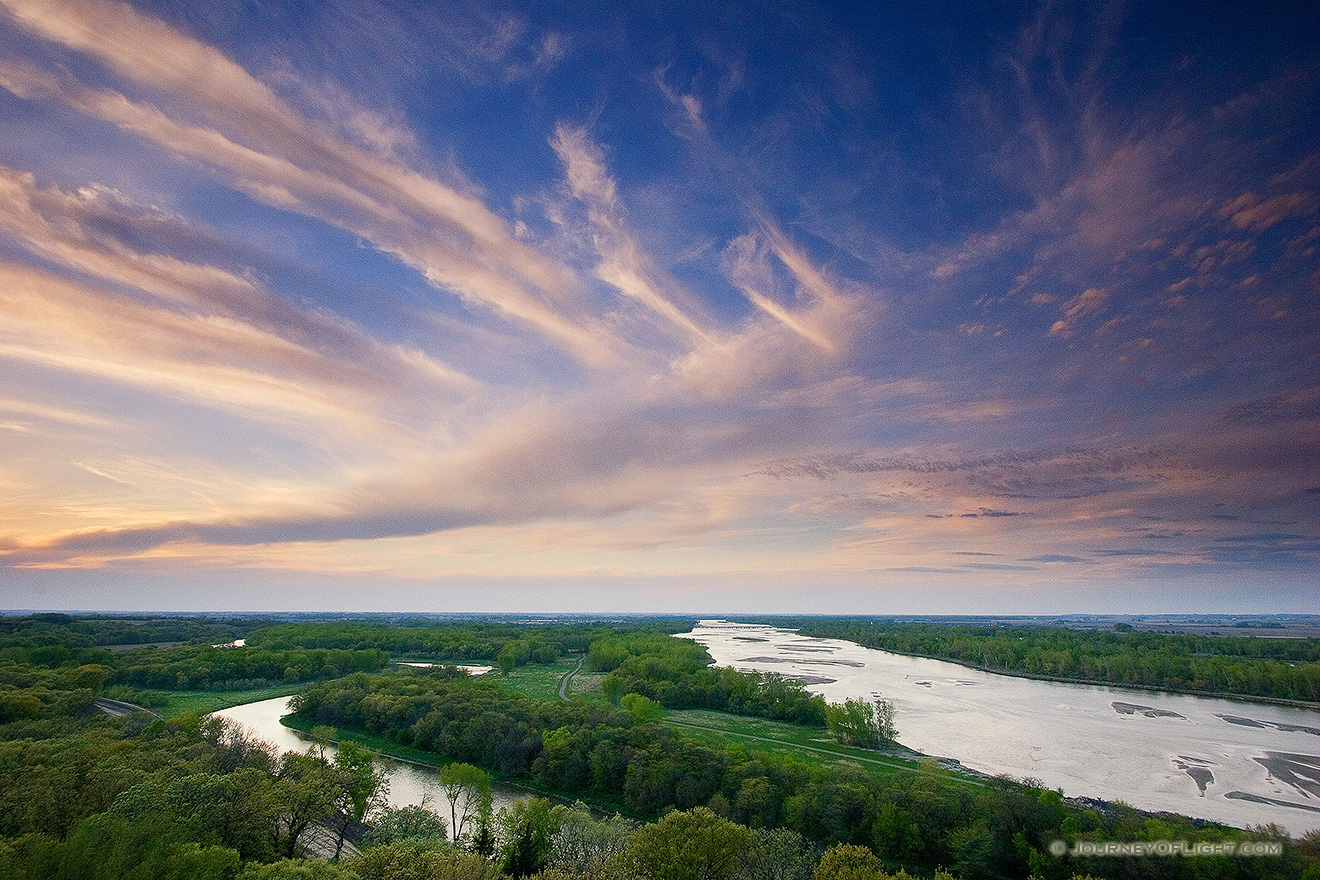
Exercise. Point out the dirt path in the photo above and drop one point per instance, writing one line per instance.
(118, 707)
(568, 676)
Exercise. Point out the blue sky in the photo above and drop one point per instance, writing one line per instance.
(732, 307)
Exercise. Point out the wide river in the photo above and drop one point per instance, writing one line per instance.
(1233, 761)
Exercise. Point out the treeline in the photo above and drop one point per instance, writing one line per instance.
(57, 641)
(675, 673)
(245, 668)
(1276, 668)
(89, 631)
(920, 820)
(29, 693)
(502, 644)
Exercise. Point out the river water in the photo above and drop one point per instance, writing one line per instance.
(409, 783)
(1233, 761)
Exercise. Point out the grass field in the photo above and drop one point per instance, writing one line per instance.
(542, 680)
(179, 702)
(809, 744)
(757, 735)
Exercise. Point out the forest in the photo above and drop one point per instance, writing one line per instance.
(87, 795)
(1286, 669)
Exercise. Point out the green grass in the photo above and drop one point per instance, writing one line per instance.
(538, 680)
(812, 745)
(179, 702)
(586, 686)
(376, 743)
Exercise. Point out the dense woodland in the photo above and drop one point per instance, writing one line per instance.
(676, 674)
(1286, 669)
(84, 795)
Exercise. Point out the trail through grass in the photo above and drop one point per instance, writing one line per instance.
(809, 744)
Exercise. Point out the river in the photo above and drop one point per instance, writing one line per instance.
(409, 783)
(1232, 761)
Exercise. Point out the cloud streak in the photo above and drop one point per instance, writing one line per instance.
(569, 301)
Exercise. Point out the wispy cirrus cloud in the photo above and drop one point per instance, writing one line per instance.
(265, 147)
(769, 319)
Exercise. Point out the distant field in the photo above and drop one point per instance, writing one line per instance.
(538, 680)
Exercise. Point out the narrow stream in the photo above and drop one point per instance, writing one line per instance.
(409, 783)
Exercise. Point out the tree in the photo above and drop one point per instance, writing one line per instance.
(412, 822)
(420, 860)
(362, 788)
(848, 862)
(467, 788)
(526, 830)
(641, 709)
(507, 658)
(779, 854)
(693, 845)
(307, 790)
(583, 846)
(862, 724)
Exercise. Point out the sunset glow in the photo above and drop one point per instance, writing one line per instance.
(746, 307)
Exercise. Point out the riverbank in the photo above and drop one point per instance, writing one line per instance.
(387, 748)
(1162, 689)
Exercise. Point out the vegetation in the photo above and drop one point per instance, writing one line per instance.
(1276, 668)
(675, 673)
(859, 723)
(505, 645)
(918, 820)
(84, 795)
(208, 668)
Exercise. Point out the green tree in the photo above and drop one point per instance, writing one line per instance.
(525, 831)
(849, 862)
(467, 789)
(641, 709)
(297, 869)
(584, 846)
(420, 860)
(307, 790)
(778, 854)
(411, 822)
(692, 845)
(868, 725)
(362, 788)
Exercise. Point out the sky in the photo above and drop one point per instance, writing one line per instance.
(708, 308)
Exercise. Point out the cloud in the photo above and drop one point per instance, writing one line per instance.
(623, 264)
(1075, 309)
(1248, 211)
(265, 147)
(93, 231)
(1054, 557)
(924, 569)
(748, 268)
